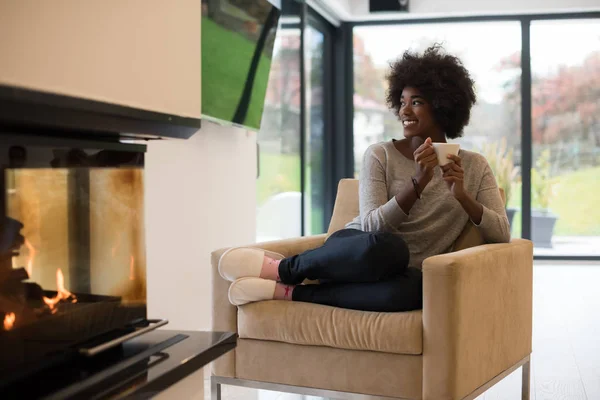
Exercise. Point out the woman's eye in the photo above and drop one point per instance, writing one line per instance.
(417, 102)
(402, 104)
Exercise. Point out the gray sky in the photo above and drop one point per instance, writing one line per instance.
(481, 45)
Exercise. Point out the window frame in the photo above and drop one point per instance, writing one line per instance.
(526, 84)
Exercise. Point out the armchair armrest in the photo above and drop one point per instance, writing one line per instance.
(477, 316)
(224, 315)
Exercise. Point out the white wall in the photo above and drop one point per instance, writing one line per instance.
(200, 193)
(358, 9)
(138, 53)
(200, 196)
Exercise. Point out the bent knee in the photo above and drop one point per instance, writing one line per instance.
(389, 248)
(386, 241)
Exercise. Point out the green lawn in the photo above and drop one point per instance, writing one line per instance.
(575, 204)
(281, 173)
(224, 73)
(515, 202)
(278, 173)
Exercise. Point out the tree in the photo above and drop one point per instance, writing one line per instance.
(369, 80)
(565, 104)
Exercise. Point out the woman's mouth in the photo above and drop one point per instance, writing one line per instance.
(408, 123)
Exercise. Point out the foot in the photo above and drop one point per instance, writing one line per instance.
(243, 262)
(270, 269)
(249, 290)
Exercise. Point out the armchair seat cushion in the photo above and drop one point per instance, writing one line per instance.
(318, 325)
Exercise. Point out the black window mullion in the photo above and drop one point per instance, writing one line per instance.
(302, 118)
(526, 135)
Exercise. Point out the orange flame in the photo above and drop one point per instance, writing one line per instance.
(131, 269)
(32, 253)
(61, 292)
(9, 321)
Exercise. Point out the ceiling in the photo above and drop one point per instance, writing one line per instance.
(358, 10)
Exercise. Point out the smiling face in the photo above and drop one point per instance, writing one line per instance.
(417, 117)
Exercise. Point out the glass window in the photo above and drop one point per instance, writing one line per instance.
(278, 185)
(565, 64)
(495, 120)
(279, 188)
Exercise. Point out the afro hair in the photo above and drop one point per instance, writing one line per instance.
(442, 80)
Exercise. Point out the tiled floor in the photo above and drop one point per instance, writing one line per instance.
(566, 341)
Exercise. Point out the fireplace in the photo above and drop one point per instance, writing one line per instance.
(72, 251)
(72, 267)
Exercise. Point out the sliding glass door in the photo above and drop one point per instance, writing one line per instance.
(565, 174)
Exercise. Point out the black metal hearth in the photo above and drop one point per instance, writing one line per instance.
(139, 368)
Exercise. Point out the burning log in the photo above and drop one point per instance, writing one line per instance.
(12, 286)
(12, 279)
(18, 274)
(23, 313)
(34, 292)
(61, 292)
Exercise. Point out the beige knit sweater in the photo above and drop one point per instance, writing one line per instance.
(437, 219)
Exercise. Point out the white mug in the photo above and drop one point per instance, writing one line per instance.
(443, 149)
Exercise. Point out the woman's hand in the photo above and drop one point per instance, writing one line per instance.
(453, 175)
(426, 161)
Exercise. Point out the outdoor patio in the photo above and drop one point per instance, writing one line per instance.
(572, 246)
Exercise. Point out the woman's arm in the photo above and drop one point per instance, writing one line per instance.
(425, 162)
(377, 212)
(493, 224)
(473, 208)
(487, 210)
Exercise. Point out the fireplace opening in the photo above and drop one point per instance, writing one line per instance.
(72, 252)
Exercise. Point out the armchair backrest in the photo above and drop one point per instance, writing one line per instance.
(346, 205)
(346, 208)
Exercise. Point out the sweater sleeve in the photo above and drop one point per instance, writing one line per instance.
(494, 225)
(377, 212)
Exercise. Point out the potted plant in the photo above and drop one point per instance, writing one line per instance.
(542, 190)
(501, 162)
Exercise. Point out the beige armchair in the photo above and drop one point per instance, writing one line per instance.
(474, 329)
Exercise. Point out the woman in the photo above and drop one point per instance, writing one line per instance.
(411, 208)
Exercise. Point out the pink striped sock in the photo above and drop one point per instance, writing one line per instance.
(270, 269)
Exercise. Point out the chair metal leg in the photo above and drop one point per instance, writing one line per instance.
(526, 380)
(215, 389)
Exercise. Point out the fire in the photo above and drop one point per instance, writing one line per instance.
(32, 253)
(61, 292)
(131, 269)
(9, 321)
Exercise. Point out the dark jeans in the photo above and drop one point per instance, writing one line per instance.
(358, 270)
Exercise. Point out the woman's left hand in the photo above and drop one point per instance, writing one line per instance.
(453, 175)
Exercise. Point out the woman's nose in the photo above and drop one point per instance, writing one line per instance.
(404, 111)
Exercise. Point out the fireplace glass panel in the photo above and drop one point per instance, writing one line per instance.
(72, 264)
